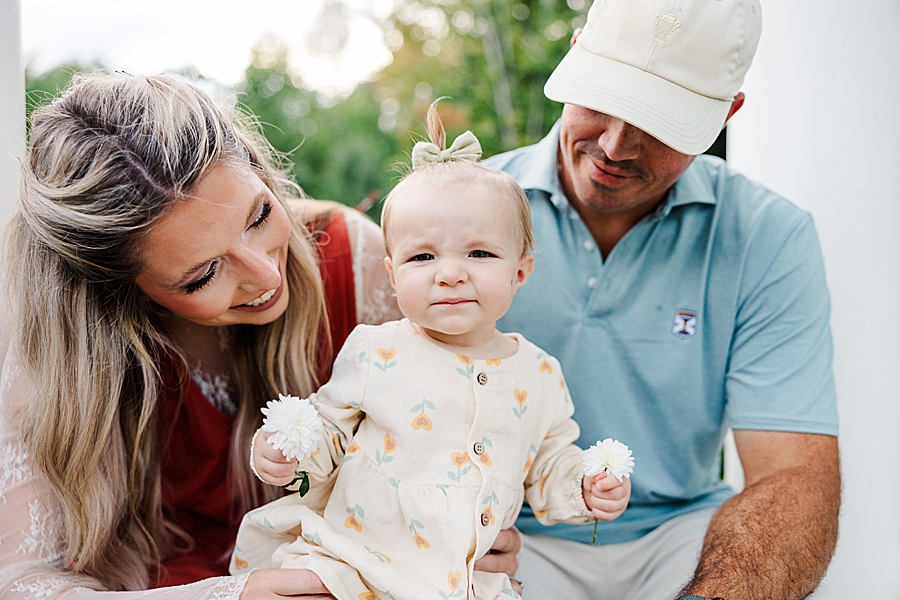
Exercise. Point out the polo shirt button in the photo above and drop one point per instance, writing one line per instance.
(478, 448)
(482, 378)
(592, 282)
(485, 519)
(588, 245)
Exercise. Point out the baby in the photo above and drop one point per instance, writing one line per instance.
(440, 424)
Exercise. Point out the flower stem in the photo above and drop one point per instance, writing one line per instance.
(594, 541)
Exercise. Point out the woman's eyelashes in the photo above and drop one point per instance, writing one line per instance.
(263, 215)
(196, 286)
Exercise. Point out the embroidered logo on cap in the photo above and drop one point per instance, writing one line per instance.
(666, 25)
(685, 324)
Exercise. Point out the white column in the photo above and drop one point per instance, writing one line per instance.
(821, 126)
(12, 105)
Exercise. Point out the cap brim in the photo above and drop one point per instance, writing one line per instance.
(681, 119)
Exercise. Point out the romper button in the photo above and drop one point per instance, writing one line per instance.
(485, 519)
(482, 378)
(479, 448)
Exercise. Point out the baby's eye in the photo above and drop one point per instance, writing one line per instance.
(481, 254)
(421, 257)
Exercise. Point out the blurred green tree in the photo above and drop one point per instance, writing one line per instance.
(490, 58)
(335, 146)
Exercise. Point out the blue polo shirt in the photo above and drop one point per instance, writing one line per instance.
(710, 312)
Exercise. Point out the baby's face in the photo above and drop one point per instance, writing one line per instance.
(456, 260)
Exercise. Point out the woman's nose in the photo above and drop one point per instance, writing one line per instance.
(262, 269)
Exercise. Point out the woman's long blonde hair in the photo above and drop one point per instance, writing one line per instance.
(106, 161)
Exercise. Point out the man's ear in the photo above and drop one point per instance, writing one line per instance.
(735, 106)
(526, 267)
(390, 269)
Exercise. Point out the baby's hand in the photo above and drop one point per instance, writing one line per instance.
(270, 463)
(605, 496)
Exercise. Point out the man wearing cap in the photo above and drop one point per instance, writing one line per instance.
(681, 299)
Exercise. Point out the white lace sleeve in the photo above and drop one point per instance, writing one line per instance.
(375, 301)
(31, 548)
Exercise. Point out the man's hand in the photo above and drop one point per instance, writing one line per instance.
(605, 496)
(270, 463)
(775, 539)
(502, 556)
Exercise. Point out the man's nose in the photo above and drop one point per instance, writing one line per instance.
(620, 140)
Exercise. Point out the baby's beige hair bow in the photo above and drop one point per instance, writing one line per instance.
(465, 147)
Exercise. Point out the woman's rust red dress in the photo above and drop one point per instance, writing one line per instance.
(196, 490)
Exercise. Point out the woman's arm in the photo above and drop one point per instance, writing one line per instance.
(32, 547)
(375, 300)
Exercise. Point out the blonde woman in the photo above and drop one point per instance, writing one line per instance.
(164, 281)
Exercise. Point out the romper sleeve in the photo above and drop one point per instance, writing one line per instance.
(340, 405)
(553, 483)
(32, 547)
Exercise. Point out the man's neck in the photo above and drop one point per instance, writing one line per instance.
(607, 228)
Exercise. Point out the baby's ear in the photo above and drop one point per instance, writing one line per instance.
(526, 267)
(390, 269)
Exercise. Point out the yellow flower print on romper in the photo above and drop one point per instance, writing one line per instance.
(421, 420)
(460, 460)
(530, 460)
(390, 444)
(454, 578)
(468, 368)
(521, 396)
(352, 522)
(414, 527)
(352, 449)
(386, 355)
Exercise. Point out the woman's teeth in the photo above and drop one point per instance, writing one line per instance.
(264, 298)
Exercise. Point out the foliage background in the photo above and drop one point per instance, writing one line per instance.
(489, 59)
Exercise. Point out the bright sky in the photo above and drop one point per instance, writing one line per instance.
(214, 36)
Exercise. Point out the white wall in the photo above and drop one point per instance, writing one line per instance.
(12, 105)
(821, 126)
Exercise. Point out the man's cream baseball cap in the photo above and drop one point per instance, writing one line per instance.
(669, 67)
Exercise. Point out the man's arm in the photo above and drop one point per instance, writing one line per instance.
(775, 539)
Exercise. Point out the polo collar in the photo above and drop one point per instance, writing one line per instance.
(541, 173)
(691, 188)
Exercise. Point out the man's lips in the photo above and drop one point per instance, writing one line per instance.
(610, 172)
(605, 174)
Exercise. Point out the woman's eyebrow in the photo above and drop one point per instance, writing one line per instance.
(254, 206)
(187, 275)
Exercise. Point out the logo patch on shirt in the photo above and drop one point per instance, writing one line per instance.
(685, 324)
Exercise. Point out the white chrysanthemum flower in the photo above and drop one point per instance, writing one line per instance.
(610, 456)
(295, 426)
